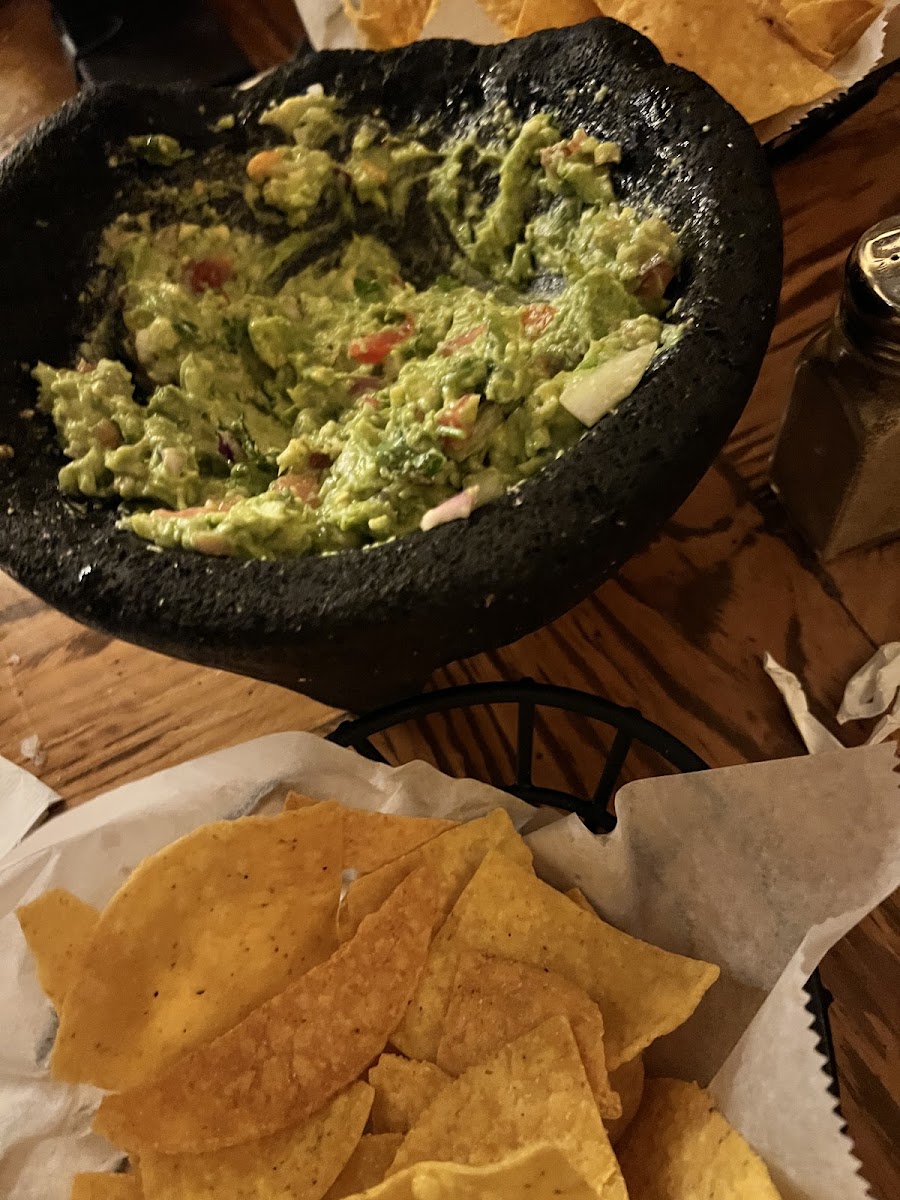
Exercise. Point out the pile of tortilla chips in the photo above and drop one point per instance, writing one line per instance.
(764, 56)
(449, 1026)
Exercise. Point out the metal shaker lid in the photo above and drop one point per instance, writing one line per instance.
(871, 301)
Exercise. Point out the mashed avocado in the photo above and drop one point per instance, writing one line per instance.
(275, 386)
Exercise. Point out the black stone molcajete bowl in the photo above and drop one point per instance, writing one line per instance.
(362, 627)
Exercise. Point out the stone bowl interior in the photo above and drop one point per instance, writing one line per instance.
(366, 626)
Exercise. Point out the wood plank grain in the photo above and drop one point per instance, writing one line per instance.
(105, 712)
(680, 635)
(863, 973)
(681, 631)
(35, 76)
(268, 33)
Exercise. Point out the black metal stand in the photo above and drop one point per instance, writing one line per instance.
(628, 723)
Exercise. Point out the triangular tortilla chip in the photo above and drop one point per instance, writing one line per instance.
(679, 1147)
(302, 1161)
(828, 29)
(539, 14)
(97, 1185)
(372, 839)
(733, 47)
(453, 856)
(404, 1088)
(533, 1090)
(628, 1081)
(287, 1059)
(495, 1000)
(537, 1173)
(504, 12)
(197, 937)
(367, 1165)
(642, 991)
(58, 928)
(383, 25)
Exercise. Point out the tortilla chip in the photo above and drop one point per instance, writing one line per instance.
(577, 896)
(383, 24)
(829, 29)
(198, 936)
(58, 928)
(291, 1055)
(759, 72)
(97, 1185)
(642, 991)
(403, 1090)
(536, 1173)
(366, 1166)
(775, 11)
(494, 1001)
(505, 13)
(628, 1081)
(454, 856)
(372, 839)
(303, 1161)
(533, 1090)
(538, 14)
(679, 1147)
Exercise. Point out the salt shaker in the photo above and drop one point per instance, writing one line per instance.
(836, 465)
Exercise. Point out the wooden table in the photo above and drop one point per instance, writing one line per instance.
(678, 634)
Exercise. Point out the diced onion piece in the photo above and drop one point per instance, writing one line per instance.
(174, 460)
(592, 394)
(229, 447)
(457, 508)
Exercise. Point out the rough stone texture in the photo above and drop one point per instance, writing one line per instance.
(363, 627)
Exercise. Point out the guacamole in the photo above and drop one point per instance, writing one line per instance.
(277, 383)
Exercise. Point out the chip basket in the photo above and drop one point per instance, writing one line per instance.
(631, 730)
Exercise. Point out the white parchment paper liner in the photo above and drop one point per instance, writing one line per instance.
(329, 29)
(24, 800)
(873, 691)
(759, 868)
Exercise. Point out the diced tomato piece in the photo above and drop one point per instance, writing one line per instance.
(463, 339)
(263, 165)
(371, 172)
(536, 318)
(108, 434)
(655, 278)
(212, 543)
(375, 347)
(303, 484)
(551, 155)
(208, 507)
(364, 384)
(208, 273)
(461, 415)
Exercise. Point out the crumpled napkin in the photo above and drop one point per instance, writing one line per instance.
(874, 691)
